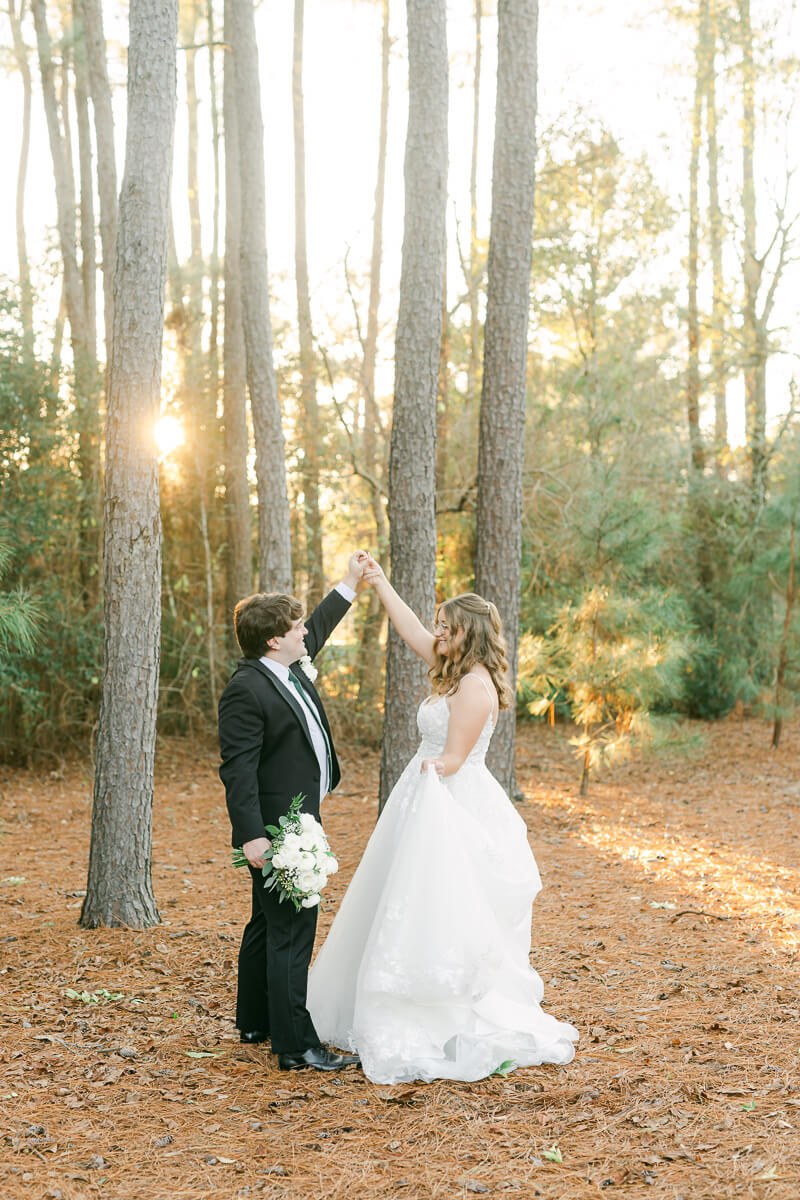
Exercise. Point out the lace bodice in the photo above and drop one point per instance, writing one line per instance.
(433, 719)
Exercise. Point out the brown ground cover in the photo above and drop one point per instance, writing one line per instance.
(667, 932)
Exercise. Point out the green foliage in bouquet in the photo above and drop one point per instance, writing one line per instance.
(299, 860)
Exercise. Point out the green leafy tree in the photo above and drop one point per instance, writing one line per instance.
(612, 661)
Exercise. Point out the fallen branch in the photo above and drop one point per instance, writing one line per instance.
(701, 912)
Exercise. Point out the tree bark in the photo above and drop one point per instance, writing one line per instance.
(696, 453)
(25, 289)
(239, 559)
(717, 332)
(474, 319)
(412, 463)
(498, 547)
(754, 343)
(213, 292)
(86, 183)
(119, 890)
(100, 91)
(315, 573)
(783, 652)
(275, 552)
(369, 649)
(85, 366)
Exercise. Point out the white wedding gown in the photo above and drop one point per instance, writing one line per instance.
(425, 970)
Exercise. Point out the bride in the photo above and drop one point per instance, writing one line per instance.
(425, 973)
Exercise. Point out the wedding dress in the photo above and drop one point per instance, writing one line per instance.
(425, 970)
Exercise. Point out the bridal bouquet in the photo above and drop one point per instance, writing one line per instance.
(299, 861)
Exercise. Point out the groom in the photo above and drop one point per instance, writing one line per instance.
(275, 742)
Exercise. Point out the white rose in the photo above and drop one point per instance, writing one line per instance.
(307, 667)
(310, 901)
(308, 843)
(307, 821)
(331, 864)
(291, 841)
(291, 860)
(307, 881)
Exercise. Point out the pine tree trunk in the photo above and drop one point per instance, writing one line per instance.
(25, 289)
(696, 454)
(85, 365)
(275, 552)
(412, 464)
(783, 653)
(213, 289)
(717, 332)
(369, 649)
(86, 183)
(239, 557)
(474, 318)
(498, 548)
(754, 347)
(100, 91)
(315, 572)
(119, 890)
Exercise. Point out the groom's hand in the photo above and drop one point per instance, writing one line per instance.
(254, 851)
(355, 568)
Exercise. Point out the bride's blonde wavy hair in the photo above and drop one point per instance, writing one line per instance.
(483, 643)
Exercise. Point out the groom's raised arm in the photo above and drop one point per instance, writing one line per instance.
(329, 612)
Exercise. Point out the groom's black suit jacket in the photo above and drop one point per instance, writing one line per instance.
(267, 753)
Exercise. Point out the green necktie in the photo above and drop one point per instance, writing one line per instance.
(308, 703)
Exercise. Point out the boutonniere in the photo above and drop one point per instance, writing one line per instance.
(307, 667)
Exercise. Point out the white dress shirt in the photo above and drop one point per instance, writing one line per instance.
(313, 719)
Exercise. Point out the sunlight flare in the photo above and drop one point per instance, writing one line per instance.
(169, 434)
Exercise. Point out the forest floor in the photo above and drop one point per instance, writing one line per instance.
(667, 931)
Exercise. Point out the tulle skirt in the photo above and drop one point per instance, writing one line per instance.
(425, 972)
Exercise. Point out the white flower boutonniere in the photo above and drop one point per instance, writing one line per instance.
(307, 667)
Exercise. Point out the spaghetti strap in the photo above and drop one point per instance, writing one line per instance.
(490, 692)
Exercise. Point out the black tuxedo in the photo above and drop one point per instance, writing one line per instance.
(267, 759)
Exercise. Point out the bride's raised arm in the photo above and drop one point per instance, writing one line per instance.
(406, 622)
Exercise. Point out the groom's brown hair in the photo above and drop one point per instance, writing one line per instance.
(262, 616)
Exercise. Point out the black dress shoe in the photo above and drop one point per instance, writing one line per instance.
(318, 1057)
(251, 1037)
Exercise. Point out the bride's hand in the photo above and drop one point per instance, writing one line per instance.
(436, 763)
(373, 572)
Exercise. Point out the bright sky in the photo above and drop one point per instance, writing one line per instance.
(612, 59)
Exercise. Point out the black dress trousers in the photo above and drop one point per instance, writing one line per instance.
(274, 958)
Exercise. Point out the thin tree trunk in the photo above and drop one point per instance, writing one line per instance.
(498, 549)
(119, 890)
(369, 650)
(474, 275)
(25, 289)
(100, 91)
(213, 338)
(443, 397)
(717, 333)
(86, 183)
(783, 654)
(696, 454)
(200, 400)
(85, 366)
(239, 559)
(275, 552)
(58, 341)
(412, 464)
(755, 359)
(308, 380)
